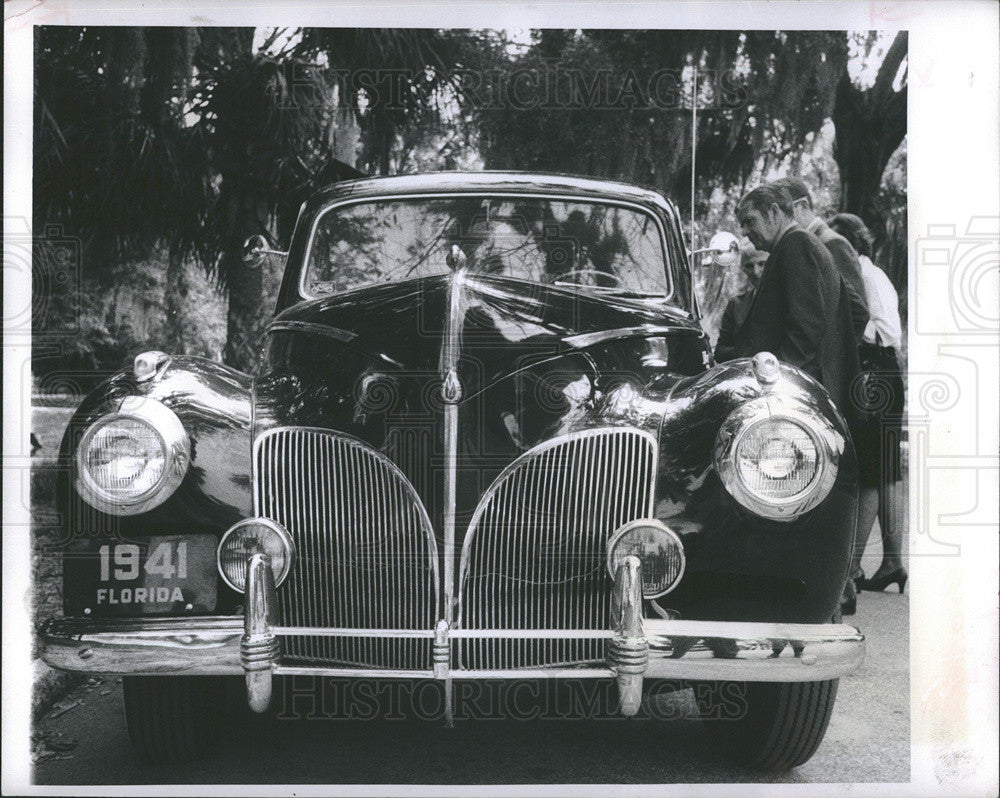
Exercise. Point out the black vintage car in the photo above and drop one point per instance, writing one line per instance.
(488, 442)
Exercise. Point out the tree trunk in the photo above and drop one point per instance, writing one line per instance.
(176, 305)
(246, 316)
(870, 124)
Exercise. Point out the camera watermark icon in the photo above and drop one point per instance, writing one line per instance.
(46, 270)
(950, 405)
(964, 269)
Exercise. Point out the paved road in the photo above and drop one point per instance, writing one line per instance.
(868, 739)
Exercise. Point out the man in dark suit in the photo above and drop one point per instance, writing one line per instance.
(801, 310)
(845, 257)
(752, 263)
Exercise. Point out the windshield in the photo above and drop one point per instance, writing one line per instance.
(599, 247)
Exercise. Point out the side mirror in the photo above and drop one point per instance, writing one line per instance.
(725, 249)
(255, 248)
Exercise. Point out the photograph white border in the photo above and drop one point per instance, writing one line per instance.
(954, 196)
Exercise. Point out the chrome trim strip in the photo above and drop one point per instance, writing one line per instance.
(536, 673)
(558, 197)
(291, 631)
(451, 391)
(532, 634)
(358, 673)
(710, 650)
(584, 340)
(465, 634)
(311, 328)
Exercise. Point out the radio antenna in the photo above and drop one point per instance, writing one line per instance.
(694, 142)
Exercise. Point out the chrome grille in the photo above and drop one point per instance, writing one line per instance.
(534, 557)
(366, 555)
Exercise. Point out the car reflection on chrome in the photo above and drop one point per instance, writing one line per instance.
(488, 441)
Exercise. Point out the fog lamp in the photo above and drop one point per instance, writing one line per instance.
(659, 550)
(254, 536)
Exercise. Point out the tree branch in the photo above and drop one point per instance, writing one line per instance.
(882, 89)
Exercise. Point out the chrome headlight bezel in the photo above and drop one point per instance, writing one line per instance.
(175, 444)
(829, 447)
(654, 523)
(283, 535)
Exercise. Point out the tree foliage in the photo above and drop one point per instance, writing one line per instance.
(760, 92)
(172, 145)
(190, 139)
(871, 125)
(113, 163)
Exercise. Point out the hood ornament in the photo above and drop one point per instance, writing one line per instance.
(451, 390)
(456, 259)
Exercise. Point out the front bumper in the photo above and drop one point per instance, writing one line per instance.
(637, 647)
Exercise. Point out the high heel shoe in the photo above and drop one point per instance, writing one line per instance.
(859, 578)
(878, 584)
(849, 599)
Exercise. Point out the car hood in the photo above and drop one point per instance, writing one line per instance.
(504, 325)
(531, 363)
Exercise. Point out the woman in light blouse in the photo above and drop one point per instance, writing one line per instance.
(882, 337)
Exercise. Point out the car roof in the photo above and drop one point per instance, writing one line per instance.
(493, 182)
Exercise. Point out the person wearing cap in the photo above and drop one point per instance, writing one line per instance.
(844, 255)
(752, 264)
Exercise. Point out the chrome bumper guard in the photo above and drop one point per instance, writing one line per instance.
(638, 647)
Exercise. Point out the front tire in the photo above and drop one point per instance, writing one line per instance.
(771, 726)
(173, 718)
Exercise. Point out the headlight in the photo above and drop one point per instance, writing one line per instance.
(776, 459)
(130, 461)
(659, 551)
(254, 536)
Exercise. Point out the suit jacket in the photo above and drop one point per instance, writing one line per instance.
(845, 257)
(732, 319)
(801, 314)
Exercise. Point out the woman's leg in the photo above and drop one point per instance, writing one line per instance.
(868, 506)
(867, 509)
(891, 522)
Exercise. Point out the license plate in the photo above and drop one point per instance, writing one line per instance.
(158, 575)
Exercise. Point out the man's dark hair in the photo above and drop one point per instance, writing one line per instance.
(764, 196)
(796, 188)
(855, 231)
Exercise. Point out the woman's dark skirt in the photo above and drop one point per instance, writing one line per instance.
(879, 396)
